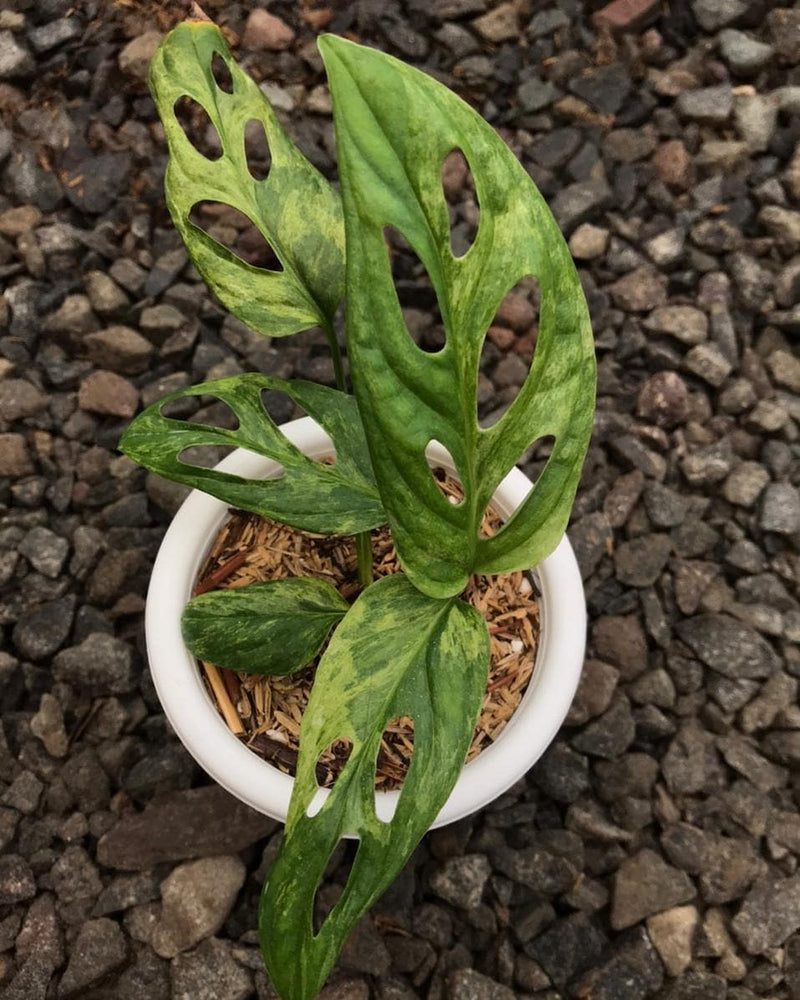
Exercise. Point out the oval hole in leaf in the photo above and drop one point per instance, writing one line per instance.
(198, 127)
(508, 348)
(281, 408)
(415, 293)
(394, 753)
(331, 762)
(221, 73)
(462, 201)
(234, 230)
(256, 149)
(214, 413)
(204, 456)
(533, 460)
(334, 879)
(444, 478)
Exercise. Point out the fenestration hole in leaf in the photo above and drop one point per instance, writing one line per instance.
(204, 456)
(462, 202)
(221, 73)
(533, 460)
(256, 150)
(236, 232)
(508, 349)
(198, 127)
(281, 408)
(415, 293)
(395, 752)
(443, 466)
(334, 879)
(332, 762)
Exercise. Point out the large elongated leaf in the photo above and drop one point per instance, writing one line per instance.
(394, 127)
(294, 208)
(265, 628)
(337, 499)
(397, 652)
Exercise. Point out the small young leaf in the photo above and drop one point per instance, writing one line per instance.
(296, 210)
(338, 499)
(396, 653)
(265, 628)
(394, 128)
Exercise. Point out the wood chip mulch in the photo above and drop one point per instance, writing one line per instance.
(266, 712)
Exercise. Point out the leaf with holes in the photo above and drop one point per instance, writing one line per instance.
(294, 208)
(270, 628)
(337, 499)
(394, 128)
(375, 668)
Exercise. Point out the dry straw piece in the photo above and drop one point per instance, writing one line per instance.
(266, 712)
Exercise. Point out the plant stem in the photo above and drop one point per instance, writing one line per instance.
(364, 550)
(363, 542)
(336, 354)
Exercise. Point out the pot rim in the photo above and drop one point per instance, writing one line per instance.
(197, 723)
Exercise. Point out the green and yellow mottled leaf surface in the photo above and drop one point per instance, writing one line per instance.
(270, 628)
(394, 128)
(336, 499)
(396, 653)
(294, 208)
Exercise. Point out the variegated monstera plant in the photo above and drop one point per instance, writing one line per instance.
(394, 128)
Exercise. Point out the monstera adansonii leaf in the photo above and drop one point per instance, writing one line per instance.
(394, 128)
(396, 653)
(294, 207)
(338, 499)
(270, 628)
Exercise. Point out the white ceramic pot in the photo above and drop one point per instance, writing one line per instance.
(205, 735)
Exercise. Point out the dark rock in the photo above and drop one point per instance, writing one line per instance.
(591, 538)
(467, 984)
(595, 691)
(639, 562)
(639, 291)
(537, 868)
(210, 972)
(45, 551)
(580, 201)
(631, 970)
(604, 87)
(460, 881)
(728, 646)
(611, 734)
(16, 61)
(646, 884)
(16, 880)
(568, 948)
(620, 640)
(562, 774)
(182, 825)
(99, 949)
(743, 757)
(664, 400)
(87, 781)
(780, 510)
(691, 763)
(100, 665)
(19, 399)
(41, 632)
(769, 914)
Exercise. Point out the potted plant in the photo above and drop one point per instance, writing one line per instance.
(408, 645)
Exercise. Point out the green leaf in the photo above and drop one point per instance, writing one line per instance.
(394, 128)
(265, 628)
(397, 652)
(337, 499)
(294, 208)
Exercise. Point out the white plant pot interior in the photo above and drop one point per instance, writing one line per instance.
(198, 724)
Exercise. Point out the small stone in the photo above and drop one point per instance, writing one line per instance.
(73, 318)
(568, 948)
(49, 36)
(665, 507)
(742, 756)
(158, 322)
(745, 55)
(538, 869)
(135, 57)
(715, 14)
(588, 242)
(99, 949)
(45, 551)
(23, 793)
(535, 94)
(105, 295)
(709, 363)
(595, 691)
(673, 164)
(691, 763)
(15, 222)
(782, 223)
(19, 399)
(15, 461)
(628, 145)
(639, 291)
(709, 104)
(48, 726)
(708, 465)
(578, 202)
(780, 509)
(783, 26)
(501, 24)
(460, 880)
(666, 248)
(685, 323)
(769, 914)
(745, 484)
(101, 665)
(785, 369)
(119, 349)
(562, 774)
(547, 22)
(620, 640)
(210, 972)
(266, 32)
(16, 61)
(728, 646)
(182, 825)
(603, 87)
(626, 15)
(630, 970)
(672, 933)
(197, 898)
(611, 734)
(16, 880)
(41, 632)
(467, 984)
(645, 884)
(640, 561)
(108, 394)
(780, 690)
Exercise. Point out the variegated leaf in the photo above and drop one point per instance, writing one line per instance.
(394, 128)
(337, 499)
(396, 653)
(294, 208)
(270, 628)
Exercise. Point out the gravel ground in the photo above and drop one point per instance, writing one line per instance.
(654, 851)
